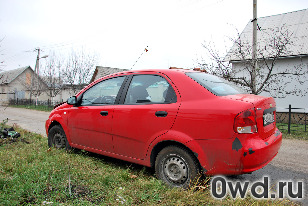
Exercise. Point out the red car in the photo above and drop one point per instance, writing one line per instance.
(180, 122)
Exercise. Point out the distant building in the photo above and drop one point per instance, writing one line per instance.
(297, 52)
(104, 71)
(21, 83)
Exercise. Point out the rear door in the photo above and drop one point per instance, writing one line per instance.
(90, 124)
(148, 110)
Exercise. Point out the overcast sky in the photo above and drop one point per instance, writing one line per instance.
(119, 30)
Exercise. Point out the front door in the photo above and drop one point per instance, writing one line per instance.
(90, 124)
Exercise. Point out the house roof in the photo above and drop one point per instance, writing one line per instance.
(104, 71)
(7, 77)
(295, 22)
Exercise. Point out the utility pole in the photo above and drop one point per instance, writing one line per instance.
(37, 66)
(254, 47)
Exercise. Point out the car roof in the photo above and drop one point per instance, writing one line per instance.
(165, 71)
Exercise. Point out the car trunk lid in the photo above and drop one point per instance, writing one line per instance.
(265, 108)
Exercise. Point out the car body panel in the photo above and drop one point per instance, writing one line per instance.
(252, 153)
(133, 127)
(58, 117)
(95, 135)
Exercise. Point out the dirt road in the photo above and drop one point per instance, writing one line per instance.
(290, 163)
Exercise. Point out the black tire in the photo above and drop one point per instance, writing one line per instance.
(177, 167)
(57, 138)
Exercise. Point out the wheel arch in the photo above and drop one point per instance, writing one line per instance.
(163, 144)
(58, 120)
(53, 123)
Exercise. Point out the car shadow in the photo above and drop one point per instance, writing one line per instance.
(147, 171)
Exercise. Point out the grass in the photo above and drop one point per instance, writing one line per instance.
(34, 107)
(33, 174)
(297, 131)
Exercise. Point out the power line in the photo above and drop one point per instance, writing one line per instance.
(63, 44)
(12, 59)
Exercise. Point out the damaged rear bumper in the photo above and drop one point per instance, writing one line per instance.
(239, 155)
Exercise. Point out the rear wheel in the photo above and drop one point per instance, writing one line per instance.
(176, 166)
(57, 138)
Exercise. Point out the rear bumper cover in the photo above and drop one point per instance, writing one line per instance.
(241, 154)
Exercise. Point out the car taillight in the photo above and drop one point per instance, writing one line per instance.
(245, 122)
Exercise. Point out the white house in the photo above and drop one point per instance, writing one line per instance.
(272, 32)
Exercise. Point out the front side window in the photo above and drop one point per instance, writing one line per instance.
(150, 89)
(215, 84)
(104, 92)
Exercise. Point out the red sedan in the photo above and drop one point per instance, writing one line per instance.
(180, 122)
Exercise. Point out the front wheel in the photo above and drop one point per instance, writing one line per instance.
(57, 138)
(176, 166)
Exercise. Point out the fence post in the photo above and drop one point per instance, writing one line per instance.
(289, 123)
(16, 101)
(305, 122)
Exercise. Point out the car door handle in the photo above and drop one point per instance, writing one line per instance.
(161, 113)
(104, 113)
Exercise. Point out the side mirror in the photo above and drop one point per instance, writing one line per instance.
(72, 100)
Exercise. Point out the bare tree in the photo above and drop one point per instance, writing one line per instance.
(51, 75)
(277, 45)
(78, 69)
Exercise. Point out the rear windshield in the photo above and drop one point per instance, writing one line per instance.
(214, 84)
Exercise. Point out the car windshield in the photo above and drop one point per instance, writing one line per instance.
(214, 84)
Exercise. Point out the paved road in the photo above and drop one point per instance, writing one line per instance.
(291, 163)
(31, 120)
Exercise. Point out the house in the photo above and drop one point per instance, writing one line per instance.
(65, 91)
(273, 30)
(21, 83)
(104, 71)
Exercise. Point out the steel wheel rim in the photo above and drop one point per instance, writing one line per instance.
(176, 169)
(59, 140)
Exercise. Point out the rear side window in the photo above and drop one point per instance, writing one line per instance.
(214, 84)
